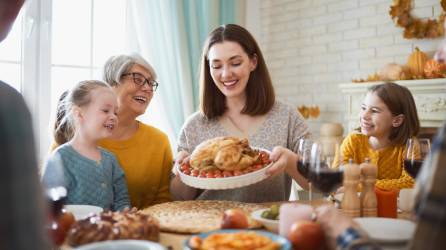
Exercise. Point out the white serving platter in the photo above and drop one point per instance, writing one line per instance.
(225, 182)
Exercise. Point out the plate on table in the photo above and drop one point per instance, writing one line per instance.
(122, 244)
(387, 229)
(283, 243)
(226, 182)
(82, 211)
(271, 225)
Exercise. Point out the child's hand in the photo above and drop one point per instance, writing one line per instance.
(130, 210)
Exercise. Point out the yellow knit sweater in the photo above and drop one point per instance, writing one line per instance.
(146, 159)
(391, 173)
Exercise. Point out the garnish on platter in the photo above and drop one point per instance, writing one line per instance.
(221, 160)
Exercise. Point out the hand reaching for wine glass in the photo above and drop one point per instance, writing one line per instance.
(284, 160)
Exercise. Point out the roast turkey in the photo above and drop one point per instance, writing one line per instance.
(224, 153)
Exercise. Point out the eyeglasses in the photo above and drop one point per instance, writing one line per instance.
(140, 80)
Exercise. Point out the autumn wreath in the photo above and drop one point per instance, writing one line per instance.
(414, 27)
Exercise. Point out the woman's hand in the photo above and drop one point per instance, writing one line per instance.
(182, 157)
(285, 160)
(282, 159)
(178, 189)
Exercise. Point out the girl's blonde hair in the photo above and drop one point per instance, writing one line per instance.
(79, 95)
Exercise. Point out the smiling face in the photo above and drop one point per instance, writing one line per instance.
(132, 98)
(98, 118)
(230, 68)
(376, 119)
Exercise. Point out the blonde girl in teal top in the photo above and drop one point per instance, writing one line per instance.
(91, 174)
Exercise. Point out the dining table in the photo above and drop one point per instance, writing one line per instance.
(175, 241)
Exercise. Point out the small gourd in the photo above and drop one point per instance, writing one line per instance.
(434, 69)
(416, 63)
(393, 72)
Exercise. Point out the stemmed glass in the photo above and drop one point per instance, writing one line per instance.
(55, 194)
(416, 152)
(326, 172)
(303, 161)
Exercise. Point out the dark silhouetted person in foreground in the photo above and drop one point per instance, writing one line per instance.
(22, 216)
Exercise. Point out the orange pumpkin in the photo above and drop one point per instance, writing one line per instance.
(416, 63)
(434, 69)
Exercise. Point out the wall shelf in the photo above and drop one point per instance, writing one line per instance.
(429, 95)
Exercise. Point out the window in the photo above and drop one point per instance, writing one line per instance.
(84, 34)
(11, 56)
(55, 44)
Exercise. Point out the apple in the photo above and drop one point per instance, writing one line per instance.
(235, 219)
(306, 235)
(195, 242)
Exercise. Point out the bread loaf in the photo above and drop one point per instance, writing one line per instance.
(113, 226)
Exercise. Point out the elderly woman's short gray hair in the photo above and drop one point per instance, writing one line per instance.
(118, 65)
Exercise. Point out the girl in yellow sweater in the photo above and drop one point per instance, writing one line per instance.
(388, 117)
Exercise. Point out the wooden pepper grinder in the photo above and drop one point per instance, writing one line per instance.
(369, 202)
(351, 204)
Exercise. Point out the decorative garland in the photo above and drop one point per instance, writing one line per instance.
(414, 27)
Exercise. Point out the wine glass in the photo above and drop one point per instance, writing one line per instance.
(303, 161)
(55, 193)
(416, 152)
(326, 171)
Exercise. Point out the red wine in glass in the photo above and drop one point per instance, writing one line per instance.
(303, 162)
(416, 151)
(326, 172)
(327, 180)
(412, 167)
(56, 197)
(303, 168)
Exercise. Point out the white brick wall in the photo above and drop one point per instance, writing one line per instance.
(313, 45)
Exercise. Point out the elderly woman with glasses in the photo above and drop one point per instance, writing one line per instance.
(143, 151)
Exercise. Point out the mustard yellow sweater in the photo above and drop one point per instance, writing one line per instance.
(146, 159)
(391, 173)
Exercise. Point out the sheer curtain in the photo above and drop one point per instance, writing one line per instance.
(170, 34)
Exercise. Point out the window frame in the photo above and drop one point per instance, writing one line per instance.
(36, 65)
